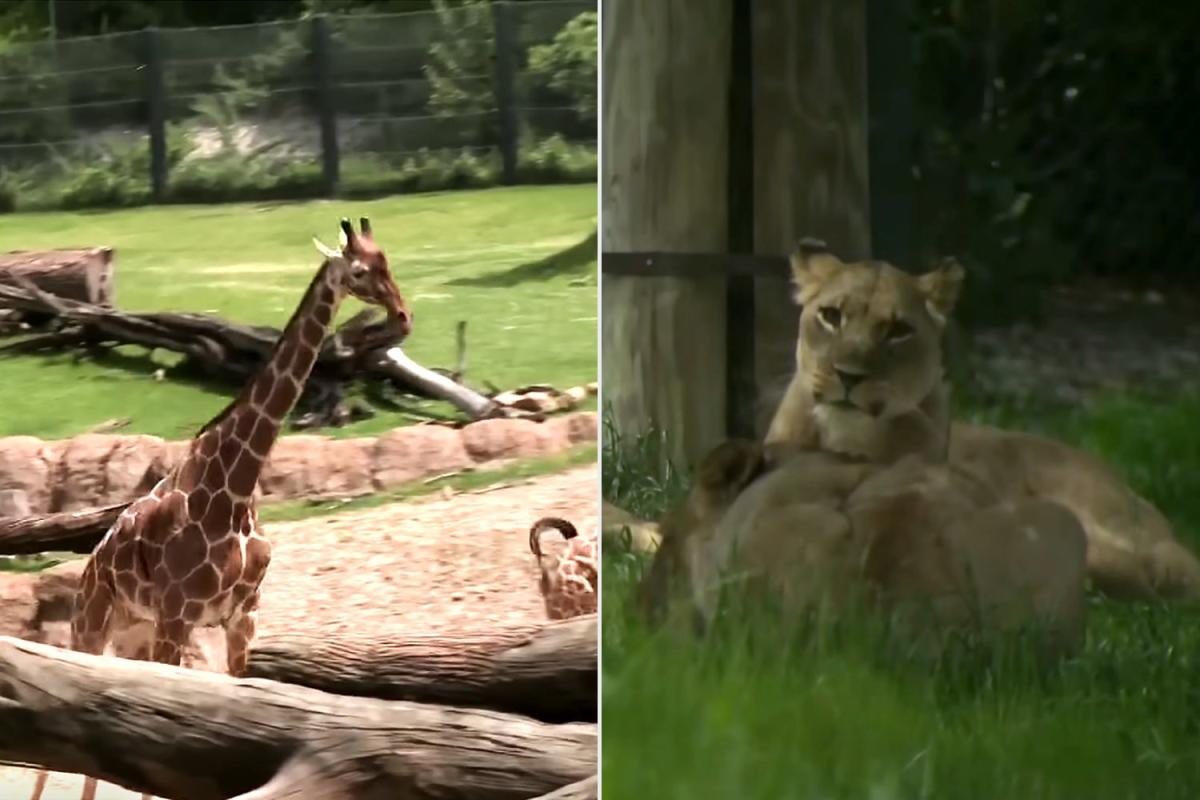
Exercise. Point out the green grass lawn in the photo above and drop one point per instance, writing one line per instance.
(760, 713)
(517, 263)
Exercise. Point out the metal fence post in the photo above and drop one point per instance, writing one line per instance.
(322, 55)
(505, 42)
(156, 111)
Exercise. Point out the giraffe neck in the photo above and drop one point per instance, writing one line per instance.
(229, 452)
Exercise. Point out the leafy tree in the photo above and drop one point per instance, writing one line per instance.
(568, 63)
(460, 61)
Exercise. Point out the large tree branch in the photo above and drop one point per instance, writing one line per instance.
(193, 735)
(546, 671)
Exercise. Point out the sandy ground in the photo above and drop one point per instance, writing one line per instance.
(440, 563)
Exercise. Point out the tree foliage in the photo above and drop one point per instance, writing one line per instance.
(568, 63)
(1055, 137)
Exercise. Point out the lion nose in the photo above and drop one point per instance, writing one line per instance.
(849, 378)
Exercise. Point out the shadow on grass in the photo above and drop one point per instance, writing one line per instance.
(576, 259)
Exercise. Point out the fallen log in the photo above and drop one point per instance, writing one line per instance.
(231, 352)
(84, 275)
(546, 671)
(394, 363)
(194, 735)
(66, 531)
(587, 789)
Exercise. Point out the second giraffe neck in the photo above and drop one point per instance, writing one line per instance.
(253, 421)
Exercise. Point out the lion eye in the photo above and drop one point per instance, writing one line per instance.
(831, 316)
(899, 330)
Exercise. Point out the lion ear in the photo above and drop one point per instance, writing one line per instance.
(941, 288)
(812, 265)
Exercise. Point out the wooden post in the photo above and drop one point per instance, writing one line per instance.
(810, 156)
(891, 130)
(156, 112)
(322, 56)
(664, 187)
(505, 41)
(741, 394)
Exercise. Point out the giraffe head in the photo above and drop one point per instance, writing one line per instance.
(366, 274)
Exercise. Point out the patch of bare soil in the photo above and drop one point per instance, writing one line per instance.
(438, 563)
(1095, 337)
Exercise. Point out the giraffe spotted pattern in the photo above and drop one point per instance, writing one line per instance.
(190, 553)
(569, 581)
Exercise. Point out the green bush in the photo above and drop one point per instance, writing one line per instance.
(10, 189)
(554, 160)
(567, 65)
(228, 177)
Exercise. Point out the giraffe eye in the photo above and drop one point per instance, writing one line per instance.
(831, 317)
(358, 268)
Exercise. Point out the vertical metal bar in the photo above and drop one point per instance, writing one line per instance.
(741, 391)
(505, 39)
(156, 111)
(322, 58)
(891, 130)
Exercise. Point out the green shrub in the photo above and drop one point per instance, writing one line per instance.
(10, 189)
(427, 171)
(228, 177)
(555, 160)
(567, 65)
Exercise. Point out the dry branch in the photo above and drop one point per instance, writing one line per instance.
(587, 789)
(545, 671)
(67, 531)
(193, 735)
(232, 352)
(84, 275)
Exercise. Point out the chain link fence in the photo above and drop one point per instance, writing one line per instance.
(470, 94)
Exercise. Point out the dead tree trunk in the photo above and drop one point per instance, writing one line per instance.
(83, 275)
(67, 531)
(545, 671)
(395, 364)
(192, 735)
(586, 789)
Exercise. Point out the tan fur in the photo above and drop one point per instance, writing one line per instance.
(927, 543)
(623, 530)
(887, 331)
(1132, 551)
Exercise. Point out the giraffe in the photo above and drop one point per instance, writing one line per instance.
(569, 582)
(191, 551)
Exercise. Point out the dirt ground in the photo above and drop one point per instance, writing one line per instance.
(443, 562)
(434, 564)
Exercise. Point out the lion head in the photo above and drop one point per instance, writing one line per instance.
(870, 335)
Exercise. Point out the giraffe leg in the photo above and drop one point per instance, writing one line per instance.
(239, 633)
(170, 638)
(93, 618)
(240, 629)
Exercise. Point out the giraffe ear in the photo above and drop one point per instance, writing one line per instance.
(325, 249)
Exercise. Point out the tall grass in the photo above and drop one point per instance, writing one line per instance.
(760, 711)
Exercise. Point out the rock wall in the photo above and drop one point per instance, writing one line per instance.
(38, 477)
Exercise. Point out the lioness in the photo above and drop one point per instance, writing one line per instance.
(930, 544)
(869, 384)
(862, 480)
